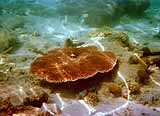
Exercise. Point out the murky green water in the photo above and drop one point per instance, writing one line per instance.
(56, 19)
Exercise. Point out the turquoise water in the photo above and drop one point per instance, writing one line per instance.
(58, 19)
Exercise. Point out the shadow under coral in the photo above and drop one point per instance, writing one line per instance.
(71, 88)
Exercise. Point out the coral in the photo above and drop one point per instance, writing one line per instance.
(124, 40)
(100, 32)
(138, 59)
(70, 43)
(115, 89)
(152, 60)
(134, 88)
(143, 76)
(71, 64)
(133, 59)
(92, 98)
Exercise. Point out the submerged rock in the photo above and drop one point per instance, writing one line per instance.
(36, 97)
(152, 50)
(24, 111)
(12, 97)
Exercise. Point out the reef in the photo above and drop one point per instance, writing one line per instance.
(52, 79)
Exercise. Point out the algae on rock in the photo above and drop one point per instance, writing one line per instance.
(7, 40)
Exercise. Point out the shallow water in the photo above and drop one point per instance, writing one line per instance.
(29, 28)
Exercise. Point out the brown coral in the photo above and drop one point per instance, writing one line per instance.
(115, 89)
(71, 64)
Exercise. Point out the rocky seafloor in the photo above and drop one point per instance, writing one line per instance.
(131, 88)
